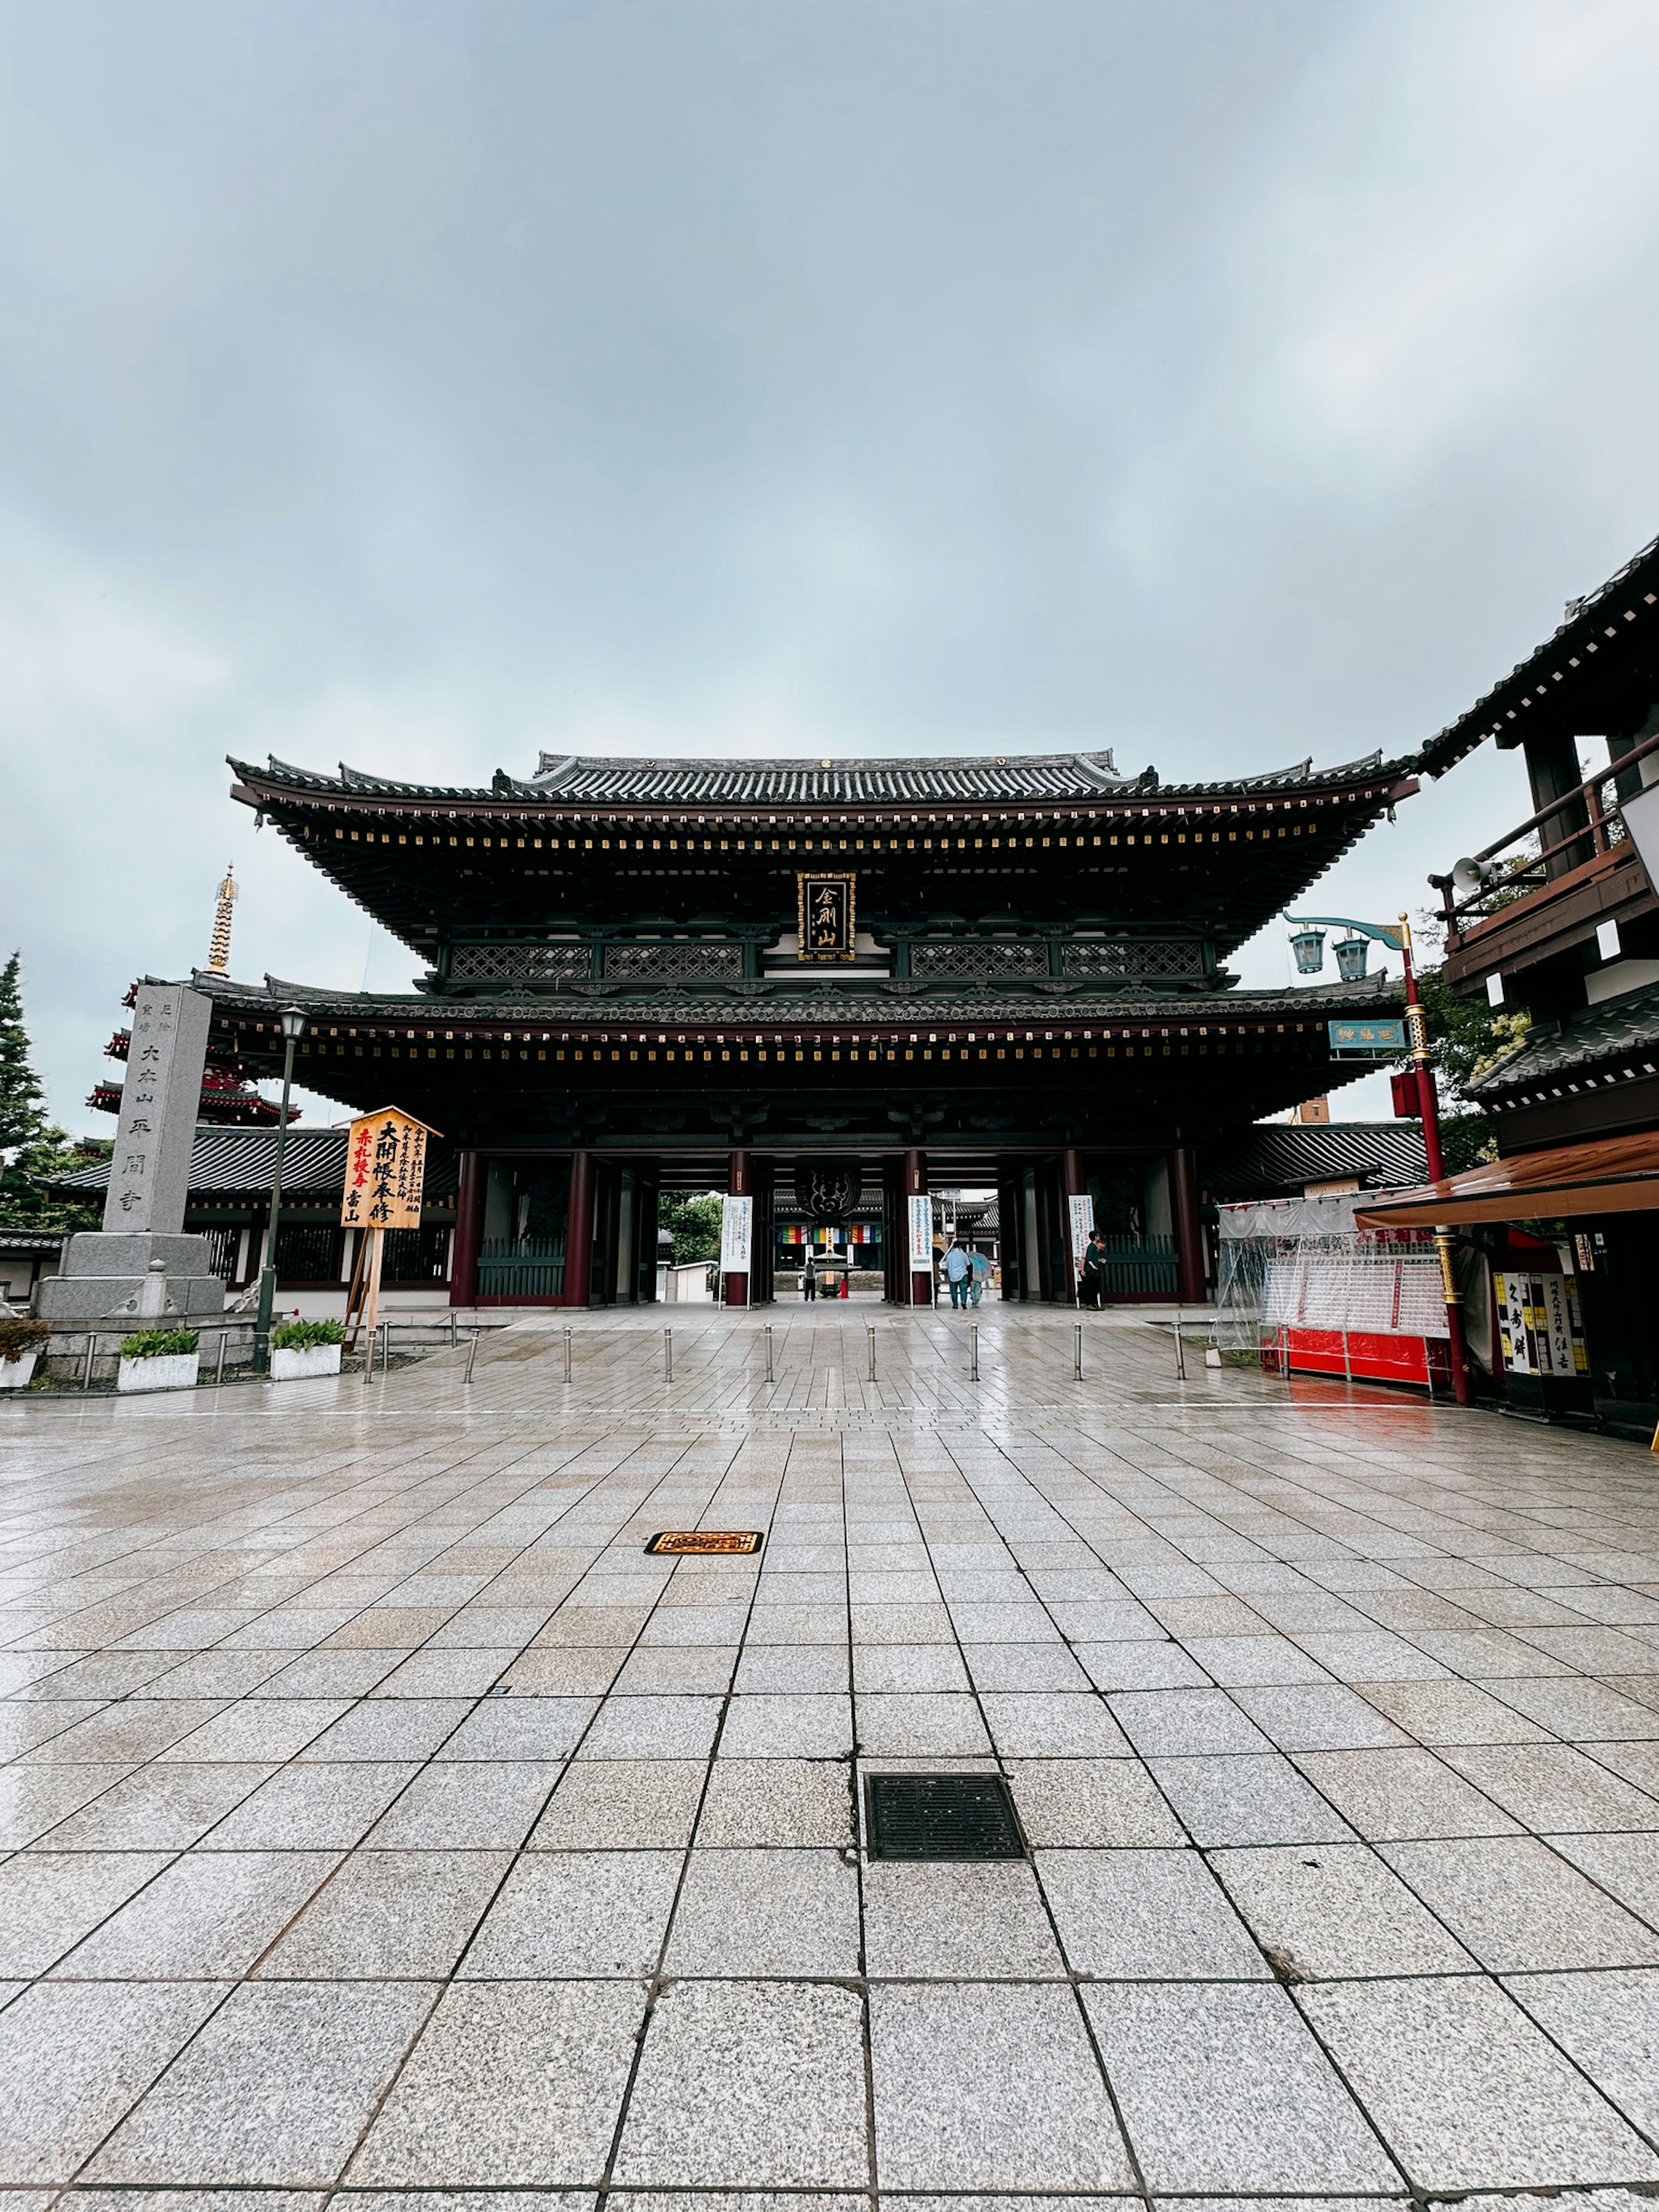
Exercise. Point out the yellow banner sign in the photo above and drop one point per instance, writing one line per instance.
(386, 1170)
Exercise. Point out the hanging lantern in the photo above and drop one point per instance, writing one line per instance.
(1309, 946)
(1350, 958)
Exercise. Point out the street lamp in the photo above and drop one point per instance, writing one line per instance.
(292, 1023)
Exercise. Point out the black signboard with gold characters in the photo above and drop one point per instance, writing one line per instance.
(825, 909)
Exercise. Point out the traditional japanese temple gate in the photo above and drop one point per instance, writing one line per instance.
(690, 975)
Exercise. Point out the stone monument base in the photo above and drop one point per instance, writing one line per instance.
(145, 1281)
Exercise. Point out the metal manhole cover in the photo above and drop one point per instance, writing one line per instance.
(702, 1542)
(940, 1816)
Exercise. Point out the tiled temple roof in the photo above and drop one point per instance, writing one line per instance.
(1277, 1158)
(970, 780)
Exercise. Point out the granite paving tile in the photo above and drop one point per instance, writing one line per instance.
(1247, 1799)
(1333, 1910)
(75, 2058)
(744, 2084)
(1453, 1712)
(469, 1806)
(1052, 1725)
(389, 1916)
(158, 1808)
(1141, 1666)
(764, 1913)
(1627, 1865)
(623, 1804)
(807, 1726)
(1091, 1801)
(670, 1728)
(393, 1729)
(1578, 1709)
(1222, 2088)
(49, 1899)
(989, 2086)
(1466, 2091)
(1327, 1716)
(137, 1729)
(1398, 1796)
(753, 1802)
(983, 1920)
(576, 1912)
(517, 1728)
(1185, 1724)
(910, 1667)
(1555, 1787)
(1145, 1915)
(270, 1729)
(1234, 1662)
(510, 2083)
(276, 2090)
(1608, 2024)
(1517, 1906)
(208, 1915)
(919, 1724)
(327, 1806)
(1024, 1667)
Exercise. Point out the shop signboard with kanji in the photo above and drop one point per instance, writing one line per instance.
(386, 1171)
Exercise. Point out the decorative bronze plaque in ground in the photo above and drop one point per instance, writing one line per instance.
(704, 1540)
(940, 1816)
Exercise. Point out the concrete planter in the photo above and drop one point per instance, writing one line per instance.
(15, 1373)
(298, 1366)
(174, 1371)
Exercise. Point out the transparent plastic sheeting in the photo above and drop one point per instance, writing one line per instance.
(1299, 1263)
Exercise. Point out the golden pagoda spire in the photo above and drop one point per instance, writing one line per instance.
(219, 955)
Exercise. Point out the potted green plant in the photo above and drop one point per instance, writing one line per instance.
(159, 1359)
(20, 1344)
(302, 1348)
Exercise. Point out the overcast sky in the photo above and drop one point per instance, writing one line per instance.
(424, 384)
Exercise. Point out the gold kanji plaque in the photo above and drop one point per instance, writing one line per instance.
(825, 911)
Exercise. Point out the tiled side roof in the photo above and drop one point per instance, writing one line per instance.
(1634, 586)
(967, 780)
(1625, 1029)
(1281, 1157)
(239, 1160)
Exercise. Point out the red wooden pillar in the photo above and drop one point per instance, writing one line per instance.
(469, 1232)
(579, 1231)
(915, 1186)
(740, 1184)
(1188, 1232)
(1071, 1186)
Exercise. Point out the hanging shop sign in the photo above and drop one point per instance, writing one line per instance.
(386, 1170)
(1367, 1036)
(824, 915)
(737, 1225)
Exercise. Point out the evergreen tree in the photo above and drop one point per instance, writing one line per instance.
(22, 1102)
(33, 1152)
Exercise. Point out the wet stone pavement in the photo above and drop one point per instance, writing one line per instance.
(379, 1823)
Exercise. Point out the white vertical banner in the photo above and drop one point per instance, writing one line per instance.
(921, 1234)
(736, 1219)
(1083, 1221)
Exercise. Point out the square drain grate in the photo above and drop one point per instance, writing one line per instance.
(703, 1543)
(940, 1816)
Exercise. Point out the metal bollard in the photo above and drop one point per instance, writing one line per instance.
(386, 1349)
(1077, 1350)
(766, 1334)
(471, 1354)
(452, 1328)
(369, 1360)
(668, 1355)
(1181, 1350)
(973, 1352)
(567, 1355)
(219, 1372)
(870, 1330)
(92, 1347)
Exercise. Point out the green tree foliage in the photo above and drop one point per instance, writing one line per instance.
(1466, 1035)
(32, 1152)
(22, 1102)
(694, 1225)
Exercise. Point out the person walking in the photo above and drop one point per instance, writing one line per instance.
(1092, 1280)
(979, 1273)
(957, 1267)
(809, 1276)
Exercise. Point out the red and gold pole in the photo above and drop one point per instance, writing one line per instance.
(1428, 1105)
